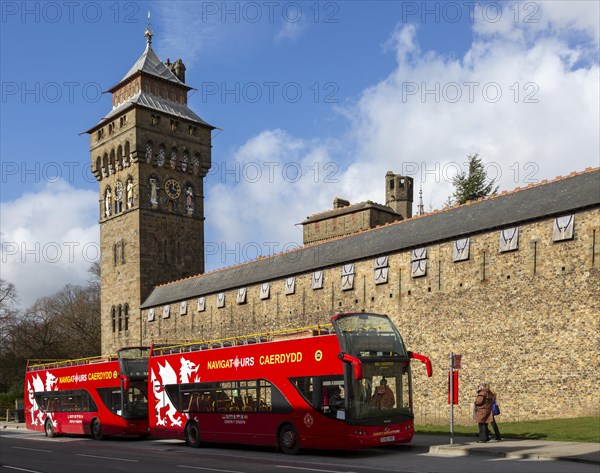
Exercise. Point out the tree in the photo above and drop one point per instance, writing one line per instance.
(64, 325)
(8, 311)
(473, 185)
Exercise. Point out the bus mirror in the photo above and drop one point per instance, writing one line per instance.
(124, 382)
(356, 365)
(422, 359)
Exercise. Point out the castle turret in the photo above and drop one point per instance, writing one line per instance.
(399, 193)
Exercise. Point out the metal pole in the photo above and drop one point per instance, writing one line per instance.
(451, 381)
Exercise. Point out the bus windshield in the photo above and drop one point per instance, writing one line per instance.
(369, 336)
(134, 362)
(385, 387)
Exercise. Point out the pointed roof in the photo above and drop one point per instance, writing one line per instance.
(151, 64)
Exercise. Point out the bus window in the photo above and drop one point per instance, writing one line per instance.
(325, 393)
(111, 397)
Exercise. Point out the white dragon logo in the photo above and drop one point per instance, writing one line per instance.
(166, 375)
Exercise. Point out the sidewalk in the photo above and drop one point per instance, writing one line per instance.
(509, 448)
(463, 446)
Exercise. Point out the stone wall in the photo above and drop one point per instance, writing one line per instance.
(525, 321)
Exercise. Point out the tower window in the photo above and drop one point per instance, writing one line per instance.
(120, 318)
(391, 184)
(112, 316)
(126, 317)
(155, 120)
(174, 125)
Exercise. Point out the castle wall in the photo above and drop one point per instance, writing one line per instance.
(525, 321)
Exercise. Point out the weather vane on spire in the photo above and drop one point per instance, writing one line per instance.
(148, 33)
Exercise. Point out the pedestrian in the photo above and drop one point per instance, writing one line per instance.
(483, 411)
(497, 435)
(383, 398)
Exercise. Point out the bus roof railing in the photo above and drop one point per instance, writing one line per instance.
(167, 347)
(45, 364)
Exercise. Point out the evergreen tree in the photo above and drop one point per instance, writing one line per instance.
(473, 185)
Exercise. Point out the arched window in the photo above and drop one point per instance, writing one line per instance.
(126, 317)
(196, 164)
(173, 160)
(99, 165)
(105, 165)
(185, 159)
(126, 156)
(161, 155)
(113, 318)
(119, 157)
(120, 318)
(149, 151)
(111, 163)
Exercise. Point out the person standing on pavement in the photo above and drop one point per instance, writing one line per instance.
(483, 411)
(497, 435)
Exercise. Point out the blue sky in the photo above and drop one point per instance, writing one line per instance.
(319, 98)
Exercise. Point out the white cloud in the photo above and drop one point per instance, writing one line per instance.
(544, 124)
(524, 106)
(49, 239)
(290, 31)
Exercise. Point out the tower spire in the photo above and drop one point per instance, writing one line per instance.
(148, 33)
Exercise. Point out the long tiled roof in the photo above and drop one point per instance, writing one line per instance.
(559, 197)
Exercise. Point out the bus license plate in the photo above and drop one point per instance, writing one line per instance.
(391, 438)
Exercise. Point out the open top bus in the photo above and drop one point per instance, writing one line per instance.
(97, 396)
(345, 385)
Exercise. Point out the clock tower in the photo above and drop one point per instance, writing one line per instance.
(149, 154)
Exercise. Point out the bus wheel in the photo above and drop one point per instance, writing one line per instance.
(192, 434)
(96, 430)
(49, 429)
(289, 440)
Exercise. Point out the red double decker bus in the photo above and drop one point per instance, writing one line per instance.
(342, 386)
(95, 396)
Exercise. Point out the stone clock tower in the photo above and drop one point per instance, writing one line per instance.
(149, 155)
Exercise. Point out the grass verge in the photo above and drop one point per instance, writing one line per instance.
(581, 429)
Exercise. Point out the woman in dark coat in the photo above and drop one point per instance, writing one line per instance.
(483, 410)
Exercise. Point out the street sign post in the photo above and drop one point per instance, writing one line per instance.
(455, 364)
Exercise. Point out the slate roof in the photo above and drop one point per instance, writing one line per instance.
(347, 210)
(159, 104)
(546, 200)
(150, 63)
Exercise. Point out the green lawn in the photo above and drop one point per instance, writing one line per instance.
(582, 429)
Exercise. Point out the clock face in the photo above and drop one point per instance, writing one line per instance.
(173, 189)
(161, 156)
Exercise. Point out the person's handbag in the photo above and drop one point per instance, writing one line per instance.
(495, 409)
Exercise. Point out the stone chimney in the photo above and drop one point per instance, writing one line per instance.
(339, 203)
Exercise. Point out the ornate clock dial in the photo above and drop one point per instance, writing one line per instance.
(173, 189)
